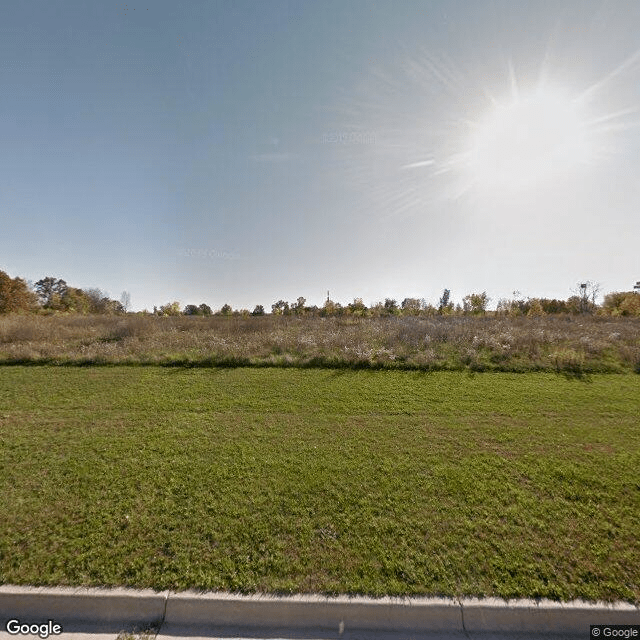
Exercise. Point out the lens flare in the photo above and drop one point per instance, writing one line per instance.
(443, 133)
(531, 138)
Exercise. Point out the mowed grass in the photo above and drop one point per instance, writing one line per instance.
(312, 480)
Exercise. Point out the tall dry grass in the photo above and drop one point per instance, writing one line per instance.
(569, 344)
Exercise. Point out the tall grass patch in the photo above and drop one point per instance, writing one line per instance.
(568, 345)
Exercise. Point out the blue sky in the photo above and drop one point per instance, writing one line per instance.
(243, 152)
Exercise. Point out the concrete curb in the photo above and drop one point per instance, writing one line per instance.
(129, 606)
(300, 612)
(493, 614)
(120, 605)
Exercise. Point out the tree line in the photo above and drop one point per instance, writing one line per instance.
(53, 295)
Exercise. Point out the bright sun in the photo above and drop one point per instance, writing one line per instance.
(530, 139)
(440, 134)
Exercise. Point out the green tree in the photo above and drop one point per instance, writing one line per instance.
(391, 306)
(258, 310)
(445, 305)
(50, 292)
(298, 307)
(226, 310)
(192, 310)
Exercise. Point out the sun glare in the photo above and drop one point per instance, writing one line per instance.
(529, 139)
(444, 134)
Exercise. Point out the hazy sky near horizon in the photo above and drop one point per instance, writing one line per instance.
(244, 152)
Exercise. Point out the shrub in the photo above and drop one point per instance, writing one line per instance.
(569, 362)
(280, 308)
(476, 303)
(391, 306)
(75, 300)
(535, 308)
(631, 305)
(357, 307)
(298, 306)
(622, 303)
(331, 308)
(553, 306)
(170, 309)
(192, 310)
(412, 306)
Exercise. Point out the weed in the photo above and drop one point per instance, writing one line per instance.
(499, 343)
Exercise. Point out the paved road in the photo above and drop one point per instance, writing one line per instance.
(168, 632)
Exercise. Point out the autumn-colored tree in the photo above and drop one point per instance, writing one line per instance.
(170, 309)
(15, 295)
(475, 303)
(357, 307)
(280, 308)
(554, 306)
(76, 301)
(631, 305)
(622, 303)
(331, 308)
(412, 306)
(535, 307)
(99, 302)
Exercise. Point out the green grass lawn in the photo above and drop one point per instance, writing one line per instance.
(305, 480)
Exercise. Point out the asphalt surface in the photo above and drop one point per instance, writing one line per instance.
(83, 631)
